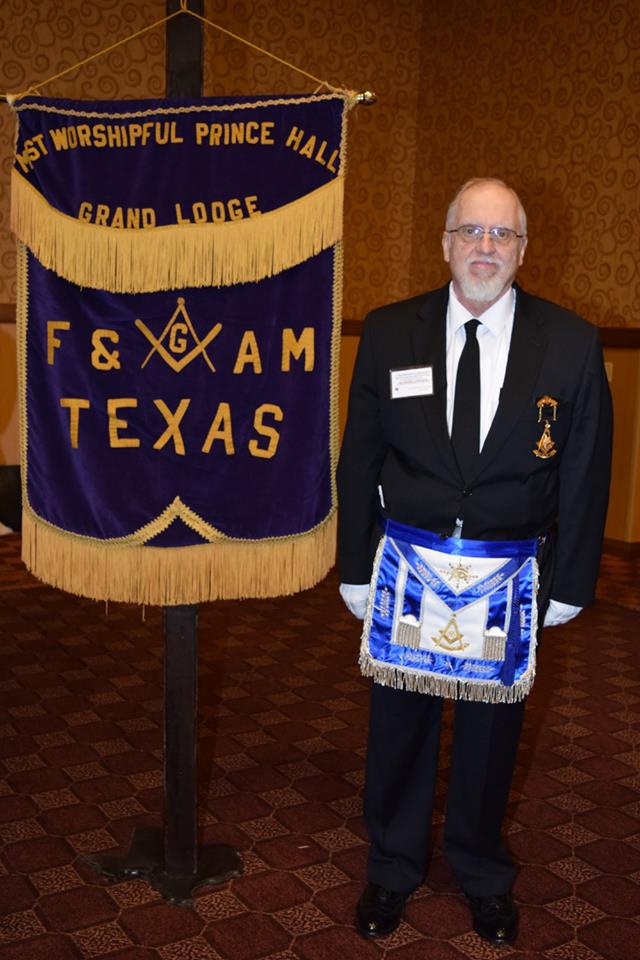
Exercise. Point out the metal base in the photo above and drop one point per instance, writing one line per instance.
(145, 859)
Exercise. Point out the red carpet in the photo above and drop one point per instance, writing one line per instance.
(282, 732)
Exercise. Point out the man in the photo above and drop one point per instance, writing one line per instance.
(540, 436)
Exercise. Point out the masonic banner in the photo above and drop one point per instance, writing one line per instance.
(179, 307)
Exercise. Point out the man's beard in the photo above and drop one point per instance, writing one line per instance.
(482, 289)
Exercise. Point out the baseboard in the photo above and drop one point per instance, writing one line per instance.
(621, 548)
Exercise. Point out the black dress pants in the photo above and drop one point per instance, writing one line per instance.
(402, 759)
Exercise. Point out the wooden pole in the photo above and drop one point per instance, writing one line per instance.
(171, 859)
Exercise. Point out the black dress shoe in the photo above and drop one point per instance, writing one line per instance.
(378, 911)
(495, 919)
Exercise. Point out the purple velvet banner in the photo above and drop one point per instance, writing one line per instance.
(154, 163)
(179, 414)
(104, 382)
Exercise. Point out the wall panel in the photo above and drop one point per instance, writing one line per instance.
(39, 39)
(545, 94)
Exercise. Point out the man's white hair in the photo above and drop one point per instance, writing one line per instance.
(452, 211)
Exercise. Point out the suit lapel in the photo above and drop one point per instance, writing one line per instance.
(528, 342)
(430, 349)
(526, 351)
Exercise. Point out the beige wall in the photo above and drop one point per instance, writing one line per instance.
(348, 350)
(9, 450)
(545, 95)
(623, 521)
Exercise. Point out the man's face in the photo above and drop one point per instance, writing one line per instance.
(482, 270)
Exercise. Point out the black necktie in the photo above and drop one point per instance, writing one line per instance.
(465, 429)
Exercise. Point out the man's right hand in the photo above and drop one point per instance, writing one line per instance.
(355, 596)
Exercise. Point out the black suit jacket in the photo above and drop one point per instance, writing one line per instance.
(403, 444)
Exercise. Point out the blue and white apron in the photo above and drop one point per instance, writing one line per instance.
(451, 617)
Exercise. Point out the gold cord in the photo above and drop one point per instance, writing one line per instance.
(184, 8)
(11, 97)
(216, 26)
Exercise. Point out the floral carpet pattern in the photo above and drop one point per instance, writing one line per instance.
(283, 717)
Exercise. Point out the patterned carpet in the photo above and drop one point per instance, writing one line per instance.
(282, 732)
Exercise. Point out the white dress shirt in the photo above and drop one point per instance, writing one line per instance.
(494, 338)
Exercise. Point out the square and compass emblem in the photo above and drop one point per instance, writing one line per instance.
(174, 340)
(450, 637)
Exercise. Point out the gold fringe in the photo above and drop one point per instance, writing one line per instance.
(176, 256)
(233, 570)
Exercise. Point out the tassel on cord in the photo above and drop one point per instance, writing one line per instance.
(166, 576)
(176, 256)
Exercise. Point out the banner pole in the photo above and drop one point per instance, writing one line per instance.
(180, 740)
(183, 67)
(171, 859)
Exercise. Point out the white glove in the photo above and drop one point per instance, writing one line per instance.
(355, 597)
(558, 613)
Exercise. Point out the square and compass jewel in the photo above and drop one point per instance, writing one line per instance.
(546, 448)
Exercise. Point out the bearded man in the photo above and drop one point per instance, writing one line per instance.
(479, 427)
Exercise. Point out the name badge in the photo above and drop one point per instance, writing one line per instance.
(411, 382)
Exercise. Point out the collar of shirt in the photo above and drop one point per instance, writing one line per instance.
(495, 319)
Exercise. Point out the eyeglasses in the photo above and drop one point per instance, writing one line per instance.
(471, 233)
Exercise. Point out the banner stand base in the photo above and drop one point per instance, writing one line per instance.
(145, 861)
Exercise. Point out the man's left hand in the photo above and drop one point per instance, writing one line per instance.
(558, 613)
